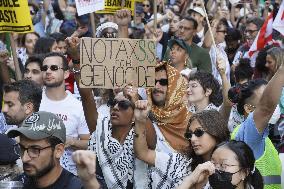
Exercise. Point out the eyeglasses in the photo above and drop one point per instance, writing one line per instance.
(163, 82)
(33, 152)
(122, 104)
(146, 5)
(250, 31)
(196, 5)
(52, 68)
(197, 133)
(222, 31)
(223, 166)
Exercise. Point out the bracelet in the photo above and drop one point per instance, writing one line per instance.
(76, 71)
(75, 61)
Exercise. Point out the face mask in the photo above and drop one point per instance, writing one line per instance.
(221, 180)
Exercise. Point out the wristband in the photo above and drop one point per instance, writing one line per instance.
(75, 61)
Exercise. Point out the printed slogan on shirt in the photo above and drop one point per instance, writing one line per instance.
(110, 63)
(15, 16)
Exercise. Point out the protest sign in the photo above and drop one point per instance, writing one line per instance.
(89, 6)
(111, 6)
(15, 16)
(111, 62)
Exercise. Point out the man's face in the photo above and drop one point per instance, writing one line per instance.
(186, 30)
(33, 72)
(37, 165)
(54, 77)
(198, 17)
(13, 110)
(159, 93)
(251, 32)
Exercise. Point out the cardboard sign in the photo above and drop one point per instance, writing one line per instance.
(15, 16)
(89, 6)
(112, 62)
(111, 6)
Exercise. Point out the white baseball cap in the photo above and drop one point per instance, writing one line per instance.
(198, 10)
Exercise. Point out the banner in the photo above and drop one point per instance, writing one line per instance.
(111, 62)
(85, 7)
(111, 6)
(15, 16)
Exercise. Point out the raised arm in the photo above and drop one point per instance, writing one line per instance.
(141, 149)
(270, 98)
(4, 71)
(123, 18)
(87, 97)
(86, 167)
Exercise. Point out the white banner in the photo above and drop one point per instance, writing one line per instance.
(89, 6)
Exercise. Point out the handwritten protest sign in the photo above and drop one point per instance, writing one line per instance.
(110, 62)
(111, 6)
(15, 16)
(89, 6)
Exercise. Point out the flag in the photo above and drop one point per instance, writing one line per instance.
(278, 23)
(263, 37)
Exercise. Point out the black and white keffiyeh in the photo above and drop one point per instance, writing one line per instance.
(117, 161)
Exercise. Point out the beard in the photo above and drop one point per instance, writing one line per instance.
(12, 121)
(53, 85)
(43, 171)
(158, 103)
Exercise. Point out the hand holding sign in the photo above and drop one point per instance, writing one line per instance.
(73, 47)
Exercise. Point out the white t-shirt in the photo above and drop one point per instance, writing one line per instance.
(70, 110)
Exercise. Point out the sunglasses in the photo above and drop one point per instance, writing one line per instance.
(146, 5)
(197, 133)
(52, 68)
(122, 104)
(163, 82)
(196, 5)
(109, 35)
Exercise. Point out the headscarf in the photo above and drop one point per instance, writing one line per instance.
(172, 118)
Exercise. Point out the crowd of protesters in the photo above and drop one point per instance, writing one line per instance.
(214, 119)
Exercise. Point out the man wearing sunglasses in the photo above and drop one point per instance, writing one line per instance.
(42, 137)
(169, 114)
(62, 103)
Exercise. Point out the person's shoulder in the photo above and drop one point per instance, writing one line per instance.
(198, 49)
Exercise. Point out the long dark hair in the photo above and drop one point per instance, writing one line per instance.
(247, 162)
(215, 126)
(240, 93)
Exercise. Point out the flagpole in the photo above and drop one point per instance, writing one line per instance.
(209, 26)
(15, 59)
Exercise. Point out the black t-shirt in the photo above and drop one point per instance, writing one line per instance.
(66, 181)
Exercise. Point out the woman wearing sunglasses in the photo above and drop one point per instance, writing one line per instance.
(232, 165)
(205, 130)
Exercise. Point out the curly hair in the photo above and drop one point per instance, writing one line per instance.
(207, 81)
(214, 124)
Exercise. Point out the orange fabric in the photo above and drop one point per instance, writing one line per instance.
(172, 119)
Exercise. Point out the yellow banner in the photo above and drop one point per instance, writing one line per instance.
(15, 16)
(111, 6)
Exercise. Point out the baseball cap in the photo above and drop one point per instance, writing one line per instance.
(198, 10)
(40, 125)
(181, 43)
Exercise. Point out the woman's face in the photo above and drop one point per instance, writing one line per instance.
(146, 6)
(121, 112)
(30, 42)
(226, 160)
(270, 64)
(54, 47)
(204, 144)
(195, 92)
(178, 55)
(221, 32)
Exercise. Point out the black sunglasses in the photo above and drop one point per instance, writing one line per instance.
(197, 133)
(162, 82)
(52, 68)
(122, 104)
(146, 5)
(223, 31)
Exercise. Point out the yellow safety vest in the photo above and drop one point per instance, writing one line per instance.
(269, 164)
